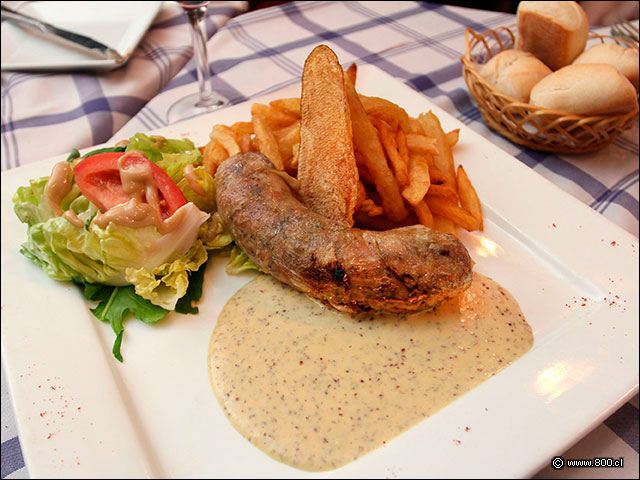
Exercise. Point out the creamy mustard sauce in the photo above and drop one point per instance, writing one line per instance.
(317, 389)
(57, 187)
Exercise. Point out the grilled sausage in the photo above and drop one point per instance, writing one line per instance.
(401, 270)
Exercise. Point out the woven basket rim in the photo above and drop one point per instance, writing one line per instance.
(501, 103)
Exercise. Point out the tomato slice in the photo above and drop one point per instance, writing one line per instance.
(98, 178)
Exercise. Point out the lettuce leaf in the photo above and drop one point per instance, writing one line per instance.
(116, 304)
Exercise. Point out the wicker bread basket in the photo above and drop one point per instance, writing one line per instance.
(535, 127)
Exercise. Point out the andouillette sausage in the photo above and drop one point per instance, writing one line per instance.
(401, 270)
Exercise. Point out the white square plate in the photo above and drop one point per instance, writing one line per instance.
(119, 25)
(575, 275)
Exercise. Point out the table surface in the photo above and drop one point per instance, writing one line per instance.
(419, 43)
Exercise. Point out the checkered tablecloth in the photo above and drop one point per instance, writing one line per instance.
(259, 52)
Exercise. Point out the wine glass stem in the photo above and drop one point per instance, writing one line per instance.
(197, 20)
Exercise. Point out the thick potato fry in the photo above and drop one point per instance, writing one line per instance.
(286, 138)
(403, 149)
(388, 141)
(288, 105)
(274, 117)
(226, 136)
(453, 137)
(421, 144)
(414, 126)
(371, 208)
(327, 167)
(424, 214)
(293, 161)
(437, 178)
(445, 208)
(444, 225)
(352, 73)
(443, 159)
(266, 141)
(468, 197)
(391, 113)
(419, 180)
(443, 191)
(242, 128)
(213, 154)
(366, 141)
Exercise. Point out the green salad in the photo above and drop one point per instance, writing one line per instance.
(137, 244)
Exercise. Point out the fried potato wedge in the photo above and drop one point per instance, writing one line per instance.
(371, 155)
(443, 159)
(468, 196)
(266, 140)
(327, 169)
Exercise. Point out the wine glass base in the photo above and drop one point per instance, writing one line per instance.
(192, 106)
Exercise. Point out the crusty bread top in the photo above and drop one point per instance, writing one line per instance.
(624, 59)
(555, 32)
(514, 73)
(586, 89)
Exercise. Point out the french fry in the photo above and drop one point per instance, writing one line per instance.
(293, 161)
(288, 105)
(391, 148)
(468, 197)
(424, 214)
(437, 178)
(414, 126)
(226, 137)
(421, 144)
(443, 159)
(419, 182)
(362, 195)
(391, 113)
(403, 149)
(453, 137)
(274, 117)
(242, 128)
(371, 208)
(213, 155)
(452, 211)
(443, 191)
(266, 141)
(286, 138)
(366, 141)
(352, 72)
(444, 225)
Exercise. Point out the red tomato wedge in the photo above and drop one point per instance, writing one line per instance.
(98, 178)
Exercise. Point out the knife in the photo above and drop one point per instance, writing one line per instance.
(86, 43)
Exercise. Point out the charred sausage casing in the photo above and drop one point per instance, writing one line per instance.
(401, 270)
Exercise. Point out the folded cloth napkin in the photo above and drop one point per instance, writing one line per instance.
(47, 114)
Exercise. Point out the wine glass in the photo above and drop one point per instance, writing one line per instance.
(206, 99)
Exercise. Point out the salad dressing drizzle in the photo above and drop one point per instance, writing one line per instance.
(143, 208)
(58, 186)
(190, 174)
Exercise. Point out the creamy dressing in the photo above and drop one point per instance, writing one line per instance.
(58, 186)
(317, 389)
(141, 210)
(192, 179)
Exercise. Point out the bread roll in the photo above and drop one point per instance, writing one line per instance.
(624, 59)
(586, 89)
(514, 73)
(555, 32)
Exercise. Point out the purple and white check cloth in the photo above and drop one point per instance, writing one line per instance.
(259, 52)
